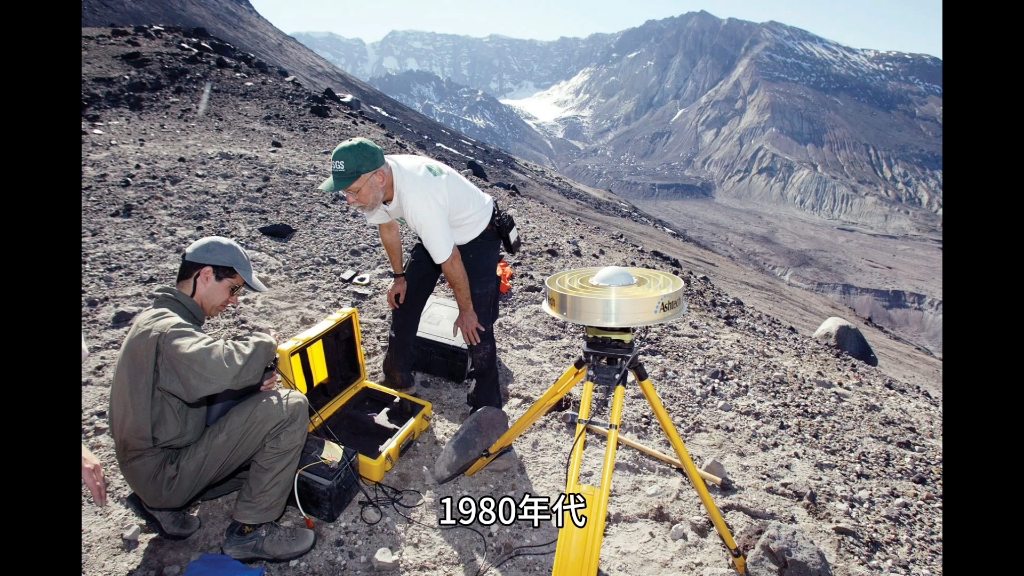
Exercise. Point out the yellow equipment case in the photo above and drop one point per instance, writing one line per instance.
(326, 364)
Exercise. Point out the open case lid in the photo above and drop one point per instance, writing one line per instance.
(325, 360)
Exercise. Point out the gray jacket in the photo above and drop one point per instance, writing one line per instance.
(166, 368)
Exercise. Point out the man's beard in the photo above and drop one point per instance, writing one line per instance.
(373, 205)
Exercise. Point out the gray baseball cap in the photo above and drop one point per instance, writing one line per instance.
(220, 251)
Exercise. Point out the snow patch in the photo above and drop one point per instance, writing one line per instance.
(451, 149)
(563, 99)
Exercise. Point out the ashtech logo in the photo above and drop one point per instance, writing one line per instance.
(337, 165)
(667, 305)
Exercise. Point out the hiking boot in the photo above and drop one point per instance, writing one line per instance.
(403, 384)
(171, 523)
(269, 541)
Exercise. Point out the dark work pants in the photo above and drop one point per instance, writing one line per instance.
(480, 258)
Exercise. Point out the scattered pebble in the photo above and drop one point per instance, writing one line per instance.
(678, 532)
(715, 468)
(131, 532)
(844, 529)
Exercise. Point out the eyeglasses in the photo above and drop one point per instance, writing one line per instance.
(356, 192)
(236, 289)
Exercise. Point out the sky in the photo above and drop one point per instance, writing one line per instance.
(902, 25)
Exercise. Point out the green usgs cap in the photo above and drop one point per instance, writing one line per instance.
(220, 251)
(350, 160)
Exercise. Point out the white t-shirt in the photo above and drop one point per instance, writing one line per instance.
(437, 203)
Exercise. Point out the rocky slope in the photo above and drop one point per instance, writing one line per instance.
(184, 135)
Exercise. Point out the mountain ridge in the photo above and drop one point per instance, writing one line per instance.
(694, 61)
(694, 107)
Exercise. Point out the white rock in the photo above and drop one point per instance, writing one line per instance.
(678, 532)
(715, 468)
(653, 490)
(131, 532)
(384, 559)
(724, 406)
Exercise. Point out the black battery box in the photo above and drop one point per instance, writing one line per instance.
(325, 490)
(438, 353)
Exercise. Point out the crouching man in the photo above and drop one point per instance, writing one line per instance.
(166, 369)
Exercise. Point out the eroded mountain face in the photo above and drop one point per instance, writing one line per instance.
(699, 106)
(823, 162)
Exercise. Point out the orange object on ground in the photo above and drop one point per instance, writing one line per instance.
(504, 273)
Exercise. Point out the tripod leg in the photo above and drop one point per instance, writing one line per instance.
(688, 466)
(659, 455)
(554, 393)
(579, 548)
(576, 454)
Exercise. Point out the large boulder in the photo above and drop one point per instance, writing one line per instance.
(847, 337)
(784, 550)
(477, 169)
(464, 448)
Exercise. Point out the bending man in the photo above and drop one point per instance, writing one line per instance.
(452, 218)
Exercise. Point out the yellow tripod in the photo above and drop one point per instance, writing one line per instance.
(607, 355)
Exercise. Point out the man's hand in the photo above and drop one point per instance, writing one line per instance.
(396, 294)
(468, 323)
(455, 273)
(269, 383)
(92, 475)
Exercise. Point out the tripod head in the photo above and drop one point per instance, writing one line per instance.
(610, 340)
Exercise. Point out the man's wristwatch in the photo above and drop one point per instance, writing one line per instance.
(398, 274)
